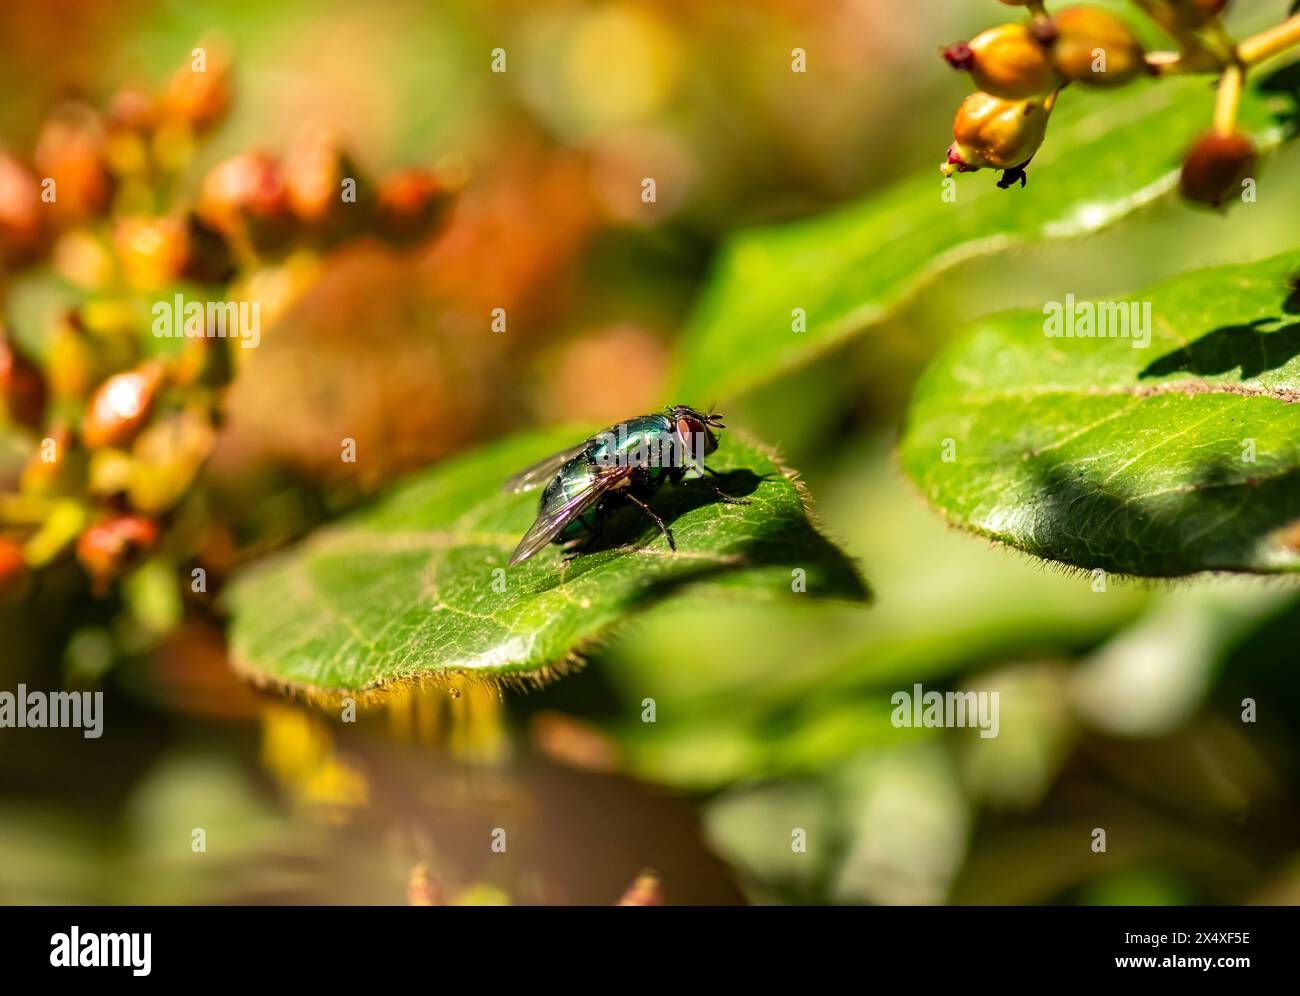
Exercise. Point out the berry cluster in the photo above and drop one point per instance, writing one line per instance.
(118, 428)
(1020, 69)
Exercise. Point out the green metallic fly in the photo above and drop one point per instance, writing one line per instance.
(628, 461)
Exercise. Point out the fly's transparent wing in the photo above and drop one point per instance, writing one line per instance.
(542, 471)
(553, 519)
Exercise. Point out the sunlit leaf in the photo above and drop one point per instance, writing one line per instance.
(1176, 457)
(417, 586)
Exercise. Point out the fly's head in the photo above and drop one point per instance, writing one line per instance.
(695, 431)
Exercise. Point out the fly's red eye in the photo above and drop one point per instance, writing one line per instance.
(685, 428)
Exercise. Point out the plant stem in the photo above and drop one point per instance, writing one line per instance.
(1228, 100)
(1274, 41)
(1184, 63)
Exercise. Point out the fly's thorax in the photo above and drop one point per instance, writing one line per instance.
(645, 442)
(664, 441)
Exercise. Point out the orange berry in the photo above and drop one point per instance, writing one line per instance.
(22, 386)
(245, 196)
(992, 133)
(70, 151)
(157, 252)
(132, 109)
(121, 406)
(151, 251)
(1008, 61)
(22, 218)
(197, 98)
(1094, 47)
(107, 548)
(13, 566)
(316, 176)
(412, 204)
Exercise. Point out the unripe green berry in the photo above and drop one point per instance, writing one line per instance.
(1094, 47)
(1006, 61)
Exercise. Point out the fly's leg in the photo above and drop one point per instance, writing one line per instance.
(571, 549)
(722, 495)
(663, 527)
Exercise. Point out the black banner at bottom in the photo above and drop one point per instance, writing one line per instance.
(141, 945)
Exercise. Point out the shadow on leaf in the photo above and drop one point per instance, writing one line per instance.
(784, 541)
(1253, 347)
(1216, 521)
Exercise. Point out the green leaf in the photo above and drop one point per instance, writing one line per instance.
(750, 715)
(404, 590)
(1179, 457)
(1106, 155)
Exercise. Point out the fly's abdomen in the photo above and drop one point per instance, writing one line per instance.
(574, 478)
